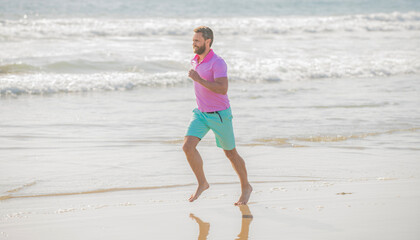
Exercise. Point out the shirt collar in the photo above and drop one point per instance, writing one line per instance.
(206, 58)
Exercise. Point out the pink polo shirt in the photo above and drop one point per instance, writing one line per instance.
(210, 68)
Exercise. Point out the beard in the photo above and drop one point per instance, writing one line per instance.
(200, 50)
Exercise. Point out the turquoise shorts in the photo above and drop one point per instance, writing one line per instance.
(219, 122)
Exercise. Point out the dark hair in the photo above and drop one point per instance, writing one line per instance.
(206, 32)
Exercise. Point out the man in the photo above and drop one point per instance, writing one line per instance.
(209, 74)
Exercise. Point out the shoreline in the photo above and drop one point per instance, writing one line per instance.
(386, 208)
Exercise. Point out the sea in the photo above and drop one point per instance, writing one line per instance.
(95, 95)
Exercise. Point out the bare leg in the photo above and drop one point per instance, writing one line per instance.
(239, 165)
(196, 164)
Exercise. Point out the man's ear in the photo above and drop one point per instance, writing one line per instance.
(208, 41)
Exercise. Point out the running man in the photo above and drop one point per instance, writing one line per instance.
(209, 74)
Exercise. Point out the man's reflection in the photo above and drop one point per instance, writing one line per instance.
(246, 221)
(204, 227)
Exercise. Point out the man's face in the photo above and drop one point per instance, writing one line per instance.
(199, 44)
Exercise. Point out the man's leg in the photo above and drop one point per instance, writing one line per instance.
(239, 165)
(196, 163)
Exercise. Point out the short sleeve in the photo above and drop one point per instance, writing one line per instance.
(219, 69)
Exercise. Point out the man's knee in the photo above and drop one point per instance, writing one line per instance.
(190, 144)
(187, 147)
(231, 154)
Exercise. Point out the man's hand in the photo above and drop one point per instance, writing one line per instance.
(219, 85)
(194, 75)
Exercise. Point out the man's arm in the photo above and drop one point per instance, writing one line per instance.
(220, 85)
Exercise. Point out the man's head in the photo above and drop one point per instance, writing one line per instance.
(202, 40)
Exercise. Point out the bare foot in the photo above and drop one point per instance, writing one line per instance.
(201, 188)
(246, 193)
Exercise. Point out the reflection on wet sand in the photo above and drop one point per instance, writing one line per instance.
(243, 235)
(204, 227)
(246, 221)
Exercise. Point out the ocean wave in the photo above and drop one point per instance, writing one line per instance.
(245, 70)
(66, 78)
(50, 83)
(286, 142)
(281, 69)
(93, 28)
(90, 66)
(17, 68)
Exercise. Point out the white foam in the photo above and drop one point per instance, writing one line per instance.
(242, 70)
(87, 27)
(305, 68)
(47, 83)
(95, 55)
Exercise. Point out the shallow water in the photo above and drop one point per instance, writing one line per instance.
(110, 141)
(97, 98)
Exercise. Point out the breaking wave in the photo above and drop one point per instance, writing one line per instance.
(88, 27)
(47, 83)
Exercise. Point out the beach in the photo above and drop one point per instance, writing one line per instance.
(95, 101)
(360, 201)
(380, 208)
(88, 180)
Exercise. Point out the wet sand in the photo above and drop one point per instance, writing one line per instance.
(349, 199)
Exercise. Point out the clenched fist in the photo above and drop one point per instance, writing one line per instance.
(194, 75)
